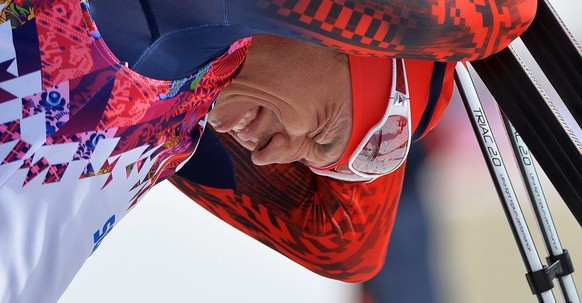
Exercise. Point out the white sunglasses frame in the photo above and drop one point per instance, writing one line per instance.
(398, 105)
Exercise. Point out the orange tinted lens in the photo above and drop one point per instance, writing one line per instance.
(386, 149)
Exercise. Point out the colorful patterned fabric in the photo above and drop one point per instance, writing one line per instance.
(82, 139)
(336, 229)
(427, 30)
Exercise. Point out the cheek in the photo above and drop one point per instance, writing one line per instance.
(300, 123)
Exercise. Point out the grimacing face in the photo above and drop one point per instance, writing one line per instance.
(291, 102)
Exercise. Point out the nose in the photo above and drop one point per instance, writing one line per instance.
(281, 149)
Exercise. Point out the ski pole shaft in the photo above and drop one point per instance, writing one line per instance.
(542, 212)
(533, 115)
(501, 180)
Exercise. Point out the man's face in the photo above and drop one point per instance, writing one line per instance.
(291, 102)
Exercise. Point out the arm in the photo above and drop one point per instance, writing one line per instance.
(436, 30)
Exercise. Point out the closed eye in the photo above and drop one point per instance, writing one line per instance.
(325, 148)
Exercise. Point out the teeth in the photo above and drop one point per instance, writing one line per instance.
(244, 121)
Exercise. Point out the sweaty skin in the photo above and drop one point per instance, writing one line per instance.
(289, 110)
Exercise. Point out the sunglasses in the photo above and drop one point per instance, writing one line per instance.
(386, 145)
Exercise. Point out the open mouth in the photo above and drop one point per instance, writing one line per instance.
(245, 123)
(249, 130)
(264, 144)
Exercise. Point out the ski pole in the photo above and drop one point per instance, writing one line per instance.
(538, 122)
(557, 255)
(503, 185)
